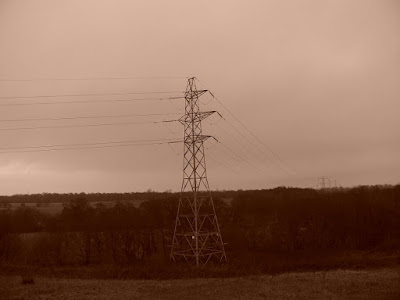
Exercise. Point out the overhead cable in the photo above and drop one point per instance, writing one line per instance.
(91, 101)
(88, 78)
(90, 146)
(86, 117)
(85, 125)
(89, 95)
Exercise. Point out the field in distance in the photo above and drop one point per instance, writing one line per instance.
(339, 284)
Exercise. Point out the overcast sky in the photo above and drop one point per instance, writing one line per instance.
(317, 82)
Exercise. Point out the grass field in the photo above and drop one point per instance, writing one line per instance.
(339, 284)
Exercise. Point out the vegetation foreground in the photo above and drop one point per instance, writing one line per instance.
(281, 243)
(339, 284)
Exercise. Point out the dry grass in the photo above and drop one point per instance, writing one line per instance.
(339, 284)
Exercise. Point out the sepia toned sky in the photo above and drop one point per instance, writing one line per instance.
(308, 89)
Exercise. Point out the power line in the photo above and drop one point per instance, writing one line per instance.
(89, 144)
(86, 117)
(92, 101)
(255, 146)
(92, 147)
(85, 125)
(243, 145)
(89, 78)
(275, 155)
(245, 157)
(222, 164)
(89, 94)
(244, 160)
(249, 131)
(227, 167)
(234, 162)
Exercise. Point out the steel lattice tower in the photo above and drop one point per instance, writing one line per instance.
(197, 237)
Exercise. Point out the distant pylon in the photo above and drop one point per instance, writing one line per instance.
(324, 182)
(197, 236)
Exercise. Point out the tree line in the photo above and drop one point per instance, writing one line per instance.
(280, 220)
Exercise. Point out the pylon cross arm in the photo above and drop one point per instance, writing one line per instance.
(196, 117)
(196, 139)
(191, 93)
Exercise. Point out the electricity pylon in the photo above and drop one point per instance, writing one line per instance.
(324, 182)
(197, 236)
